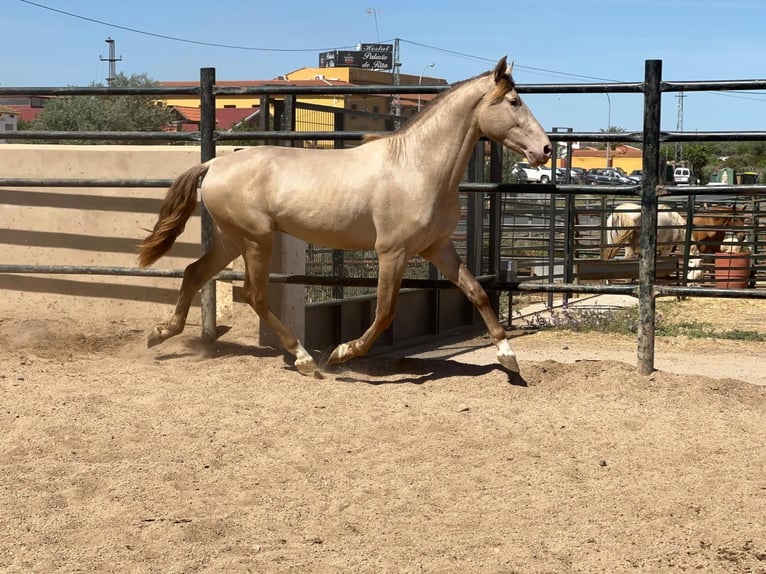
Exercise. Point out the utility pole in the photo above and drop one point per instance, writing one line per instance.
(679, 148)
(396, 103)
(112, 62)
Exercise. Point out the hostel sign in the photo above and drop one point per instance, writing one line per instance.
(367, 56)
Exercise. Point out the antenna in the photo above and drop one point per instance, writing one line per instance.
(112, 62)
(374, 12)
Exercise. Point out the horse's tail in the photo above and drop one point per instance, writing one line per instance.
(624, 235)
(178, 206)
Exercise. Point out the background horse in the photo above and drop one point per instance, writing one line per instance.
(710, 226)
(397, 194)
(623, 227)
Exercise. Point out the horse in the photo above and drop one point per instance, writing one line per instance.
(709, 226)
(396, 194)
(624, 229)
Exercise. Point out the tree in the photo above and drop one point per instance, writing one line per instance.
(608, 145)
(698, 155)
(106, 113)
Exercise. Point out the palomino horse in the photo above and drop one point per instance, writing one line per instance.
(624, 228)
(396, 194)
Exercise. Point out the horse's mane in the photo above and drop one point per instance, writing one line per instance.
(422, 116)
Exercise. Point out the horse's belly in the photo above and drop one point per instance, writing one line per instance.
(327, 233)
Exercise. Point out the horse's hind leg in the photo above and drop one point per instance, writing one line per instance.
(257, 264)
(444, 256)
(220, 254)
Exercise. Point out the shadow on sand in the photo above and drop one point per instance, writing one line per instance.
(412, 371)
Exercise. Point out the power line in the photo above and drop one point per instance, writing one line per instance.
(455, 53)
(260, 49)
(175, 38)
(515, 66)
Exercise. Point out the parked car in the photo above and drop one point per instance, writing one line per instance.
(683, 175)
(561, 175)
(607, 176)
(578, 174)
(539, 174)
(637, 174)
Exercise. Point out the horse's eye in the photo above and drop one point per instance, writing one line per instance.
(515, 102)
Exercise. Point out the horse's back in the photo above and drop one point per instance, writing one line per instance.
(327, 197)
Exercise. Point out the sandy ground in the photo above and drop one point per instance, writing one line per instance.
(221, 458)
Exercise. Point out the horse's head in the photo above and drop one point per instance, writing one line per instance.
(503, 117)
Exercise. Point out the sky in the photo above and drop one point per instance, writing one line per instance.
(62, 43)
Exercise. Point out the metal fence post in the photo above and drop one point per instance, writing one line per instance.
(474, 213)
(207, 151)
(495, 219)
(647, 272)
(569, 218)
(338, 255)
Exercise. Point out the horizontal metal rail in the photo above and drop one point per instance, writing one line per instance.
(222, 136)
(80, 182)
(542, 188)
(489, 282)
(224, 90)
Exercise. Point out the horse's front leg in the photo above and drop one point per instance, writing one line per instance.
(392, 266)
(444, 256)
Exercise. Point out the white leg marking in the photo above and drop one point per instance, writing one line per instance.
(506, 356)
(304, 362)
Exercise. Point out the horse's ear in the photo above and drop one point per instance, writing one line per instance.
(501, 70)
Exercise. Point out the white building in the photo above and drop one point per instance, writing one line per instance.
(9, 120)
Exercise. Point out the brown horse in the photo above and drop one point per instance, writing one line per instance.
(396, 194)
(710, 226)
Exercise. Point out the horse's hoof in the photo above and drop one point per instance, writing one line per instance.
(340, 354)
(509, 362)
(155, 338)
(308, 368)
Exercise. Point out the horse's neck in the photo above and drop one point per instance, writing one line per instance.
(441, 143)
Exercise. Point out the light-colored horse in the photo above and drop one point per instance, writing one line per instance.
(396, 194)
(623, 228)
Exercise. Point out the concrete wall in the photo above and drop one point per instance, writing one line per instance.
(90, 226)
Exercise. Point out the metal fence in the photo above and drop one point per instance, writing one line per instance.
(487, 204)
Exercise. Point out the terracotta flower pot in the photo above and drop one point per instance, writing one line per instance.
(732, 270)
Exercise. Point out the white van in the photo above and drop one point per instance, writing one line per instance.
(682, 175)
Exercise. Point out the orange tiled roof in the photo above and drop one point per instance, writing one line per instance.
(621, 150)
(191, 114)
(225, 118)
(256, 83)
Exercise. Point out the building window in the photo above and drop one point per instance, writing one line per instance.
(229, 106)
